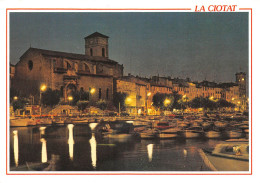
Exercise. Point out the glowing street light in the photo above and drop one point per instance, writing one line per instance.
(92, 90)
(70, 98)
(42, 89)
(148, 95)
(15, 98)
(128, 99)
(167, 102)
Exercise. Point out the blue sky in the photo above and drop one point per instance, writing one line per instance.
(212, 46)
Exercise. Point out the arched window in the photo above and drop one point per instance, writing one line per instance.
(86, 68)
(103, 52)
(91, 52)
(68, 65)
(30, 65)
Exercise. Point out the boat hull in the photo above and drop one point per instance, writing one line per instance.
(220, 163)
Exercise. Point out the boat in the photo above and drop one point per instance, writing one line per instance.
(47, 166)
(230, 155)
(220, 124)
(19, 121)
(193, 132)
(167, 135)
(212, 134)
(234, 133)
(149, 134)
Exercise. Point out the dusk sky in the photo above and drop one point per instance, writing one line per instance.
(212, 46)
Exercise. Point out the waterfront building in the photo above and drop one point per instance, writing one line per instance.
(69, 72)
(138, 93)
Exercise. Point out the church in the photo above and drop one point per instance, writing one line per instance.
(68, 72)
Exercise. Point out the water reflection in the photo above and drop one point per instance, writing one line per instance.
(16, 148)
(71, 140)
(44, 150)
(185, 153)
(42, 130)
(150, 152)
(93, 146)
(92, 126)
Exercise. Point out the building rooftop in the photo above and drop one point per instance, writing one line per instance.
(71, 55)
(96, 34)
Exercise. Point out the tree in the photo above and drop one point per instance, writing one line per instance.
(177, 101)
(196, 103)
(223, 103)
(102, 104)
(50, 97)
(158, 100)
(79, 96)
(119, 97)
(19, 104)
(201, 102)
(82, 105)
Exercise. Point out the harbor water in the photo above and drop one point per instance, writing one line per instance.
(79, 149)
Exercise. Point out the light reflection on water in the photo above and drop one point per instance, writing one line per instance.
(44, 150)
(16, 148)
(81, 150)
(71, 140)
(93, 145)
(150, 152)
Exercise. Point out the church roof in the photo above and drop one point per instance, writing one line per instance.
(71, 55)
(96, 34)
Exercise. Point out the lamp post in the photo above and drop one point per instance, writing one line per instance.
(91, 92)
(128, 100)
(148, 95)
(42, 89)
(70, 98)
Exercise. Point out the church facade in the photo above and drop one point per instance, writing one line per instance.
(69, 72)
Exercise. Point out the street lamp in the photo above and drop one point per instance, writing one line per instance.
(148, 95)
(91, 92)
(15, 98)
(42, 89)
(128, 100)
(70, 98)
(167, 102)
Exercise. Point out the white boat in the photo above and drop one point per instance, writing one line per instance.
(231, 155)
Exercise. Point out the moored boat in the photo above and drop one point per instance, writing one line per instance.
(231, 155)
(212, 134)
(193, 132)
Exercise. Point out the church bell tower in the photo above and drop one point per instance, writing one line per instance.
(96, 45)
(241, 81)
